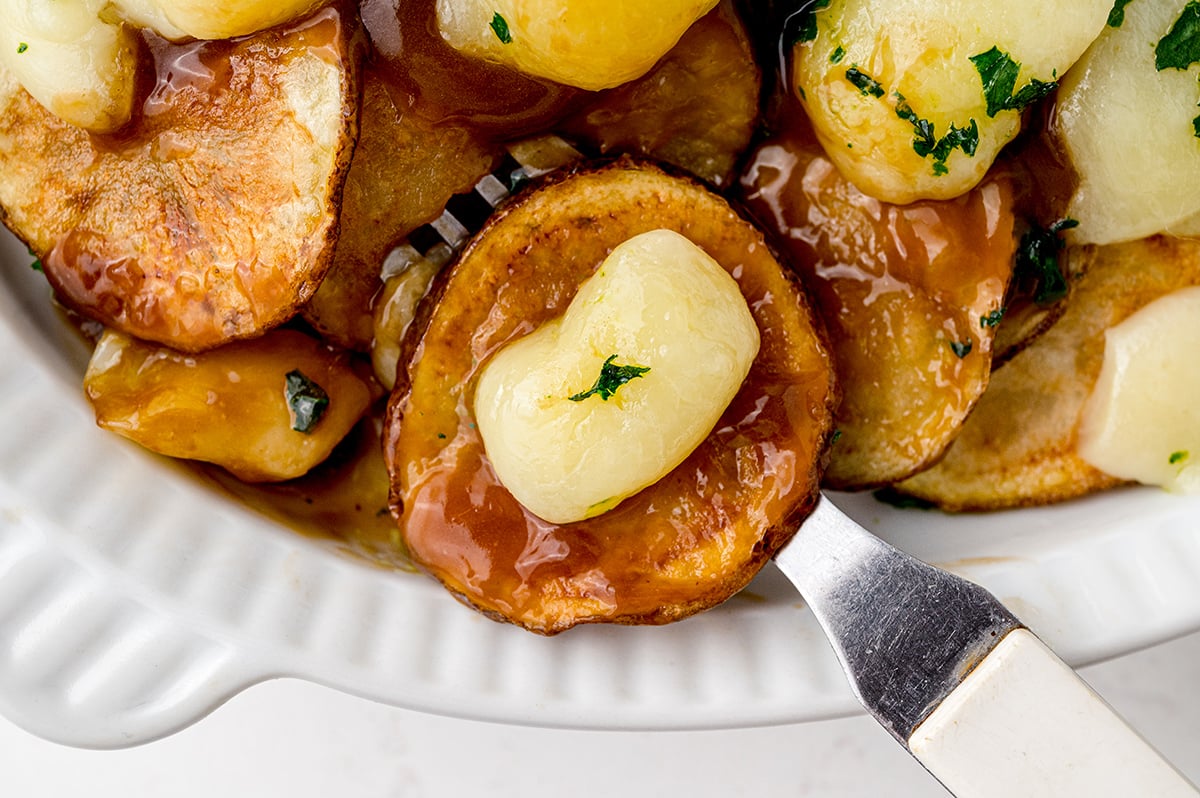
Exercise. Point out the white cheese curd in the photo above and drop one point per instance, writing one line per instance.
(1142, 421)
(659, 304)
(883, 79)
(78, 66)
(78, 58)
(1128, 128)
(591, 44)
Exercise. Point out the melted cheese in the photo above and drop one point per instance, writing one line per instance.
(657, 302)
(1142, 420)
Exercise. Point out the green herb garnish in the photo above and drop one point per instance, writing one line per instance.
(1180, 48)
(838, 55)
(1037, 260)
(801, 26)
(306, 401)
(999, 75)
(22, 47)
(1116, 17)
(612, 376)
(1177, 457)
(992, 318)
(926, 142)
(961, 348)
(864, 82)
(37, 262)
(499, 26)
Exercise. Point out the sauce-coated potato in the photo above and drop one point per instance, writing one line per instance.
(239, 406)
(687, 542)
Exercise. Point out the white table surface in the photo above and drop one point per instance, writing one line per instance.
(290, 738)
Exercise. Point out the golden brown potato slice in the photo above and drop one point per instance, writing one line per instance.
(212, 216)
(266, 410)
(673, 113)
(404, 171)
(909, 294)
(681, 545)
(1018, 447)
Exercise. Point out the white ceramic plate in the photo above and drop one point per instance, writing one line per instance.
(133, 600)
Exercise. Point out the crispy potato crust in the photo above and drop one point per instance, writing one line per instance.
(672, 114)
(212, 216)
(1018, 447)
(904, 291)
(685, 543)
(404, 171)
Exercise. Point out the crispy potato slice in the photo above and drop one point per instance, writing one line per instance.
(1018, 447)
(403, 172)
(672, 113)
(238, 406)
(906, 292)
(681, 545)
(212, 216)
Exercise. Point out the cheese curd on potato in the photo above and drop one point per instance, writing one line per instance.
(913, 99)
(1141, 421)
(77, 65)
(1127, 117)
(78, 57)
(212, 19)
(590, 44)
(599, 403)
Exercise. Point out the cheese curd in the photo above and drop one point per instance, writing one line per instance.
(1141, 421)
(1130, 132)
(590, 44)
(78, 58)
(897, 93)
(661, 315)
(77, 65)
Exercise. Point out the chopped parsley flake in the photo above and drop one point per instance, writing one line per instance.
(1116, 17)
(22, 47)
(499, 26)
(1177, 457)
(926, 142)
(1037, 261)
(992, 319)
(961, 348)
(999, 73)
(37, 262)
(801, 26)
(306, 401)
(838, 55)
(864, 82)
(612, 376)
(1180, 48)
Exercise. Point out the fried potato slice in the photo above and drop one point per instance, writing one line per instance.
(1018, 447)
(266, 410)
(404, 171)
(908, 294)
(212, 216)
(679, 546)
(672, 113)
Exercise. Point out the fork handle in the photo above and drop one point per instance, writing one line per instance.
(1023, 723)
